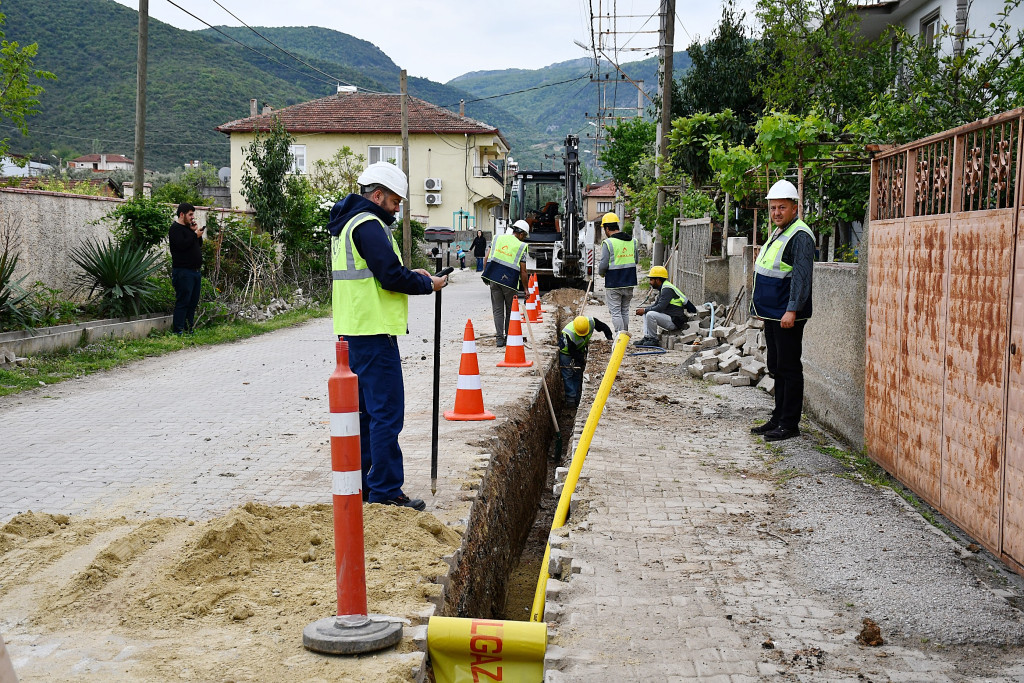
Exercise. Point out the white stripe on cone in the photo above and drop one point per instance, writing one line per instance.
(346, 483)
(469, 381)
(469, 346)
(515, 340)
(344, 424)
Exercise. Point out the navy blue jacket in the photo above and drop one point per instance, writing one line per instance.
(375, 247)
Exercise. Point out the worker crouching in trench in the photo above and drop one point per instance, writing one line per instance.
(573, 344)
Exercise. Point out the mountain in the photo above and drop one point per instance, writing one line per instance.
(552, 108)
(197, 80)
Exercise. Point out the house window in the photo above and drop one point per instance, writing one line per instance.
(931, 29)
(604, 207)
(385, 153)
(298, 153)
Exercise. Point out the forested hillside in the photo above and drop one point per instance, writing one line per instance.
(200, 79)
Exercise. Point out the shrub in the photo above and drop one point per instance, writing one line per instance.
(141, 221)
(120, 272)
(13, 297)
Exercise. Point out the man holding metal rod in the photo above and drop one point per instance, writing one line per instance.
(371, 288)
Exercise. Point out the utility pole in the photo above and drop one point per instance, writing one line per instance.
(140, 101)
(406, 225)
(668, 22)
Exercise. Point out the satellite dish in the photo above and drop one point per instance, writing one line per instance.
(224, 174)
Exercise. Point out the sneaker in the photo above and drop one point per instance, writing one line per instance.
(500, 343)
(765, 428)
(781, 434)
(650, 341)
(407, 502)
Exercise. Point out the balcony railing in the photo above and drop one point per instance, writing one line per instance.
(491, 170)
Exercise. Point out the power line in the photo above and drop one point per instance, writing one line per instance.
(251, 49)
(128, 142)
(295, 57)
(516, 92)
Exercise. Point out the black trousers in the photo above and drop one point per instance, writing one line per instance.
(785, 347)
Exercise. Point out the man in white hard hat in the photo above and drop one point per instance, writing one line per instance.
(783, 275)
(618, 266)
(505, 273)
(371, 288)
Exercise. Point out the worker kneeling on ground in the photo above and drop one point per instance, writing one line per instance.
(371, 289)
(572, 354)
(669, 309)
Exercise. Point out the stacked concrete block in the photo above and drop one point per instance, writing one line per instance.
(733, 354)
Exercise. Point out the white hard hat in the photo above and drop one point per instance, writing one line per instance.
(521, 225)
(386, 174)
(783, 190)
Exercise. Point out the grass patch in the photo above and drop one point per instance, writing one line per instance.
(112, 353)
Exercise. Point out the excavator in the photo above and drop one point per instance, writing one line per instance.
(561, 244)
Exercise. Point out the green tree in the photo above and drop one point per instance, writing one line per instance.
(628, 141)
(336, 177)
(268, 163)
(692, 138)
(141, 221)
(187, 186)
(723, 73)
(820, 58)
(19, 94)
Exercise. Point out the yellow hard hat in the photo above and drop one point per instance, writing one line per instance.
(609, 218)
(581, 325)
(658, 271)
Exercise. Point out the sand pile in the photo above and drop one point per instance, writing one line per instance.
(200, 595)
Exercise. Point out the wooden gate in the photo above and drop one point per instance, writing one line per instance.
(943, 409)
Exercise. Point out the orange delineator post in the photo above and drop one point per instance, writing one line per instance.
(515, 350)
(347, 485)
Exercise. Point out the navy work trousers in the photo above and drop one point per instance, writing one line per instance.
(785, 348)
(188, 284)
(376, 361)
(572, 379)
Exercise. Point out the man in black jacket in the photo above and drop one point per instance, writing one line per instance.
(186, 237)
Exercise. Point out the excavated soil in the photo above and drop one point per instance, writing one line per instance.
(225, 600)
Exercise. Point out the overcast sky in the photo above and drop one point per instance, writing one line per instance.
(442, 39)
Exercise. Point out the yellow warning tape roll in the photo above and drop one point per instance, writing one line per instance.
(465, 650)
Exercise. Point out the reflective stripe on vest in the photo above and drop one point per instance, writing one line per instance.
(361, 306)
(621, 264)
(503, 265)
(570, 331)
(679, 299)
(769, 262)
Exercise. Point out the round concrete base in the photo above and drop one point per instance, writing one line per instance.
(330, 636)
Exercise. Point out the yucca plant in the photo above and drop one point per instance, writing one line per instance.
(119, 272)
(15, 308)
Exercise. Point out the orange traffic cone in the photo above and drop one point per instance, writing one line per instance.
(536, 297)
(469, 397)
(515, 352)
(531, 305)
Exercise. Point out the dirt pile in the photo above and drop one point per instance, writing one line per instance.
(176, 590)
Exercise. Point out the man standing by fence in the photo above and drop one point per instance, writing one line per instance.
(783, 275)
(186, 238)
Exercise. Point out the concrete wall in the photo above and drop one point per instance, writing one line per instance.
(834, 350)
(46, 226)
(449, 157)
(716, 281)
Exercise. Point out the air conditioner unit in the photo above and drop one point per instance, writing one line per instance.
(433, 198)
(432, 184)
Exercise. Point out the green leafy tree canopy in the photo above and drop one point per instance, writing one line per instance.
(268, 162)
(19, 94)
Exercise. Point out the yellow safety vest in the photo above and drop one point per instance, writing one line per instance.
(577, 340)
(360, 305)
(621, 263)
(503, 265)
(772, 277)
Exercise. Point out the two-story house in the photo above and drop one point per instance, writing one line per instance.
(456, 164)
(925, 18)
